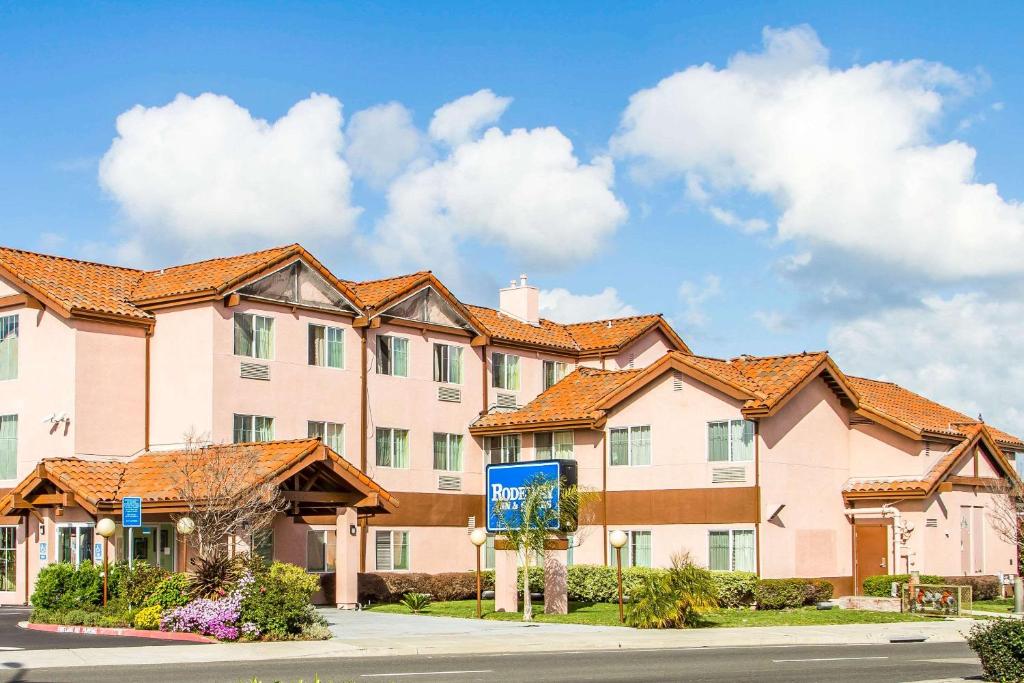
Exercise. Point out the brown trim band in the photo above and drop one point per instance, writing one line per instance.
(433, 509)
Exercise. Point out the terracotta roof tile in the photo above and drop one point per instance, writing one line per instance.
(776, 376)
(575, 397)
(502, 327)
(76, 285)
(916, 485)
(375, 292)
(609, 334)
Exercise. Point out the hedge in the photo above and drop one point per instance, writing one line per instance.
(391, 586)
(982, 587)
(999, 645)
(881, 586)
(787, 593)
(734, 589)
(63, 587)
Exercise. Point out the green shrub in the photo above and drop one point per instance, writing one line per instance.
(999, 645)
(278, 601)
(391, 586)
(112, 616)
(61, 586)
(820, 590)
(592, 583)
(734, 589)
(214, 578)
(172, 591)
(415, 602)
(536, 579)
(982, 587)
(781, 593)
(453, 586)
(136, 583)
(148, 618)
(879, 586)
(675, 598)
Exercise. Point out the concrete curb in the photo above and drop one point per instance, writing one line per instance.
(117, 632)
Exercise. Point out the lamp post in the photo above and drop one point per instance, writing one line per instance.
(185, 526)
(478, 538)
(618, 540)
(105, 528)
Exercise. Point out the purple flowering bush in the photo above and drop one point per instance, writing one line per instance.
(217, 618)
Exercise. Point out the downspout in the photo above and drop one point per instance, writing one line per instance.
(27, 553)
(604, 491)
(757, 496)
(486, 385)
(363, 402)
(149, 336)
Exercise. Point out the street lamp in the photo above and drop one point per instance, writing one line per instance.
(185, 526)
(478, 538)
(105, 528)
(618, 540)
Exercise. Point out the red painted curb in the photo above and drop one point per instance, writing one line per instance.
(126, 632)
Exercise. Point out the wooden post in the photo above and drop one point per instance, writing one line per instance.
(479, 613)
(618, 562)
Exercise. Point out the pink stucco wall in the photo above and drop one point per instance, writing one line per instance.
(181, 374)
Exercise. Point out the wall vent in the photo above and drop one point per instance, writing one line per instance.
(506, 401)
(450, 394)
(677, 381)
(931, 522)
(632, 360)
(255, 371)
(728, 475)
(447, 482)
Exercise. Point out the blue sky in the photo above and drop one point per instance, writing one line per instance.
(819, 254)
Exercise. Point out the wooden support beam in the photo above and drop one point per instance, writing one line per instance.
(315, 519)
(232, 300)
(360, 321)
(976, 481)
(946, 487)
(479, 340)
(375, 323)
(62, 499)
(333, 497)
(26, 300)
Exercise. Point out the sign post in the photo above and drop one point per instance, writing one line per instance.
(131, 519)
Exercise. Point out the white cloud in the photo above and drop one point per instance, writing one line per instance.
(845, 154)
(775, 322)
(728, 218)
(694, 295)
(524, 190)
(563, 306)
(382, 140)
(461, 120)
(964, 351)
(203, 169)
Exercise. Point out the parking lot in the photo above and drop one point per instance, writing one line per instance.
(13, 639)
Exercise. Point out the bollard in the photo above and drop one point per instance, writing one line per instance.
(1018, 595)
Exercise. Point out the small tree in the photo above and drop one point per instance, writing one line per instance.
(219, 485)
(1006, 513)
(529, 522)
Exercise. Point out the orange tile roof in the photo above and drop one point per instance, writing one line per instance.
(75, 286)
(600, 335)
(154, 475)
(501, 327)
(373, 293)
(573, 398)
(206, 276)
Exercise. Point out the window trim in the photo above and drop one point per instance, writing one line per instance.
(408, 354)
(408, 448)
(326, 545)
(17, 344)
(13, 550)
(729, 422)
(448, 451)
(76, 526)
(252, 317)
(629, 445)
(544, 372)
(504, 375)
(554, 454)
(252, 427)
(438, 367)
(627, 556)
(391, 538)
(325, 424)
(732, 548)
(501, 438)
(309, 342)
(14, 418)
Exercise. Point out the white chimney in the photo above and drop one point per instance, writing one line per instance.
(521, 301)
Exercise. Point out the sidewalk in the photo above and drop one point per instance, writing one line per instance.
(369, 634)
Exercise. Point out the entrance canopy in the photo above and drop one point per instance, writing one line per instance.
(314, 480)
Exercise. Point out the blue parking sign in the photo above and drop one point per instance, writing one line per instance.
(131, 512)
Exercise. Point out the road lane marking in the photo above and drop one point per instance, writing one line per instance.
(428, 673)
(5, 649)
(824, 659)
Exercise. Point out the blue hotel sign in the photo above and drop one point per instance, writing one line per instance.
(131, 512)
(507, 485)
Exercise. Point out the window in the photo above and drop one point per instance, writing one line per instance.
(8, 347)
(552, 445)
(731, 550)
(392, 447)
(501, 449)
(331, 433)
(8, 446)
(8, 552)
(393, 356)
(262, 544)
(505, 371)
(321, 550)
(489, 552)
(252, 428)
(1018, 463)
(448, 452)
(392, 550)
(636, 552)
(730, 441)
(554, 370)
(630, 446)
(254, 336)
(448, 363)
(74, 543)
(326, 346)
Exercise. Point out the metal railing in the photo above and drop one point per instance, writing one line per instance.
(936, 599)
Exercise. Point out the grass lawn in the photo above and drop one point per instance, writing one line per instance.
(997, 605)
(606, 614)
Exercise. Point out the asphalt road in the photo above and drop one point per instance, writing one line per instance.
(13, 638)
(850, 664)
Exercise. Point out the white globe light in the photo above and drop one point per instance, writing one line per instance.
(186, 526)
(478, 537)
(105, 527)
(617, 538)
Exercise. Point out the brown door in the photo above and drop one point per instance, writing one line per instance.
(871, 551)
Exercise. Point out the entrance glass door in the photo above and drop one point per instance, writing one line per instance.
(74, 543)
(153, 544)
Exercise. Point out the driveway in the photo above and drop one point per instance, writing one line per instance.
(14, 639)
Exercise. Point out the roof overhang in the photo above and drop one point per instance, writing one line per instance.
(834, 378)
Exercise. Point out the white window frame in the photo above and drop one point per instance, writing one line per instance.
(629, 446)
(443, 365)
(503, 379)
(391, 441)
(13, 444)
(330, 563)
(391, 358)
(391, 544)
(328, 329)
(9, 324)
(252, 317)
(732, 548)
(449, 439)
(554, 454)
(729, 427)
(251, 427)
(76, 526)
(8, 558)
(628, 559)
(558, 375)
(319, 429)
(503, 441)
